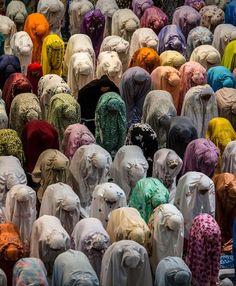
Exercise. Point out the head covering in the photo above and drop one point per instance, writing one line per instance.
(38, 136)
(36, 25)
(172, 38)
(191, 74)
(211, 17)
(158, 109)
(198, 36)
(223, 34)
(234, 245)
(196, 4)
(109, 64)
(17, 12)
(228, 59)
(77, 43)
(126, 263)
(106, 197)
(63, 110)
(3, 278)
(220, 132)
(203, 254)
(48, 240)
(89, 167)
(10, 144)
(75, 136)
(29, 271)
(167, 78)
(8, 29)
(135, 84)
(2, 40)
(146, 58)
(172, 271)
(225, 185)
(148, 194)
(166, 166)
(128, 167)
(24, 108)
(200, 106)
(90, 237)
(73, 268)
(22, 46)
(154, 18)
(93, 25)
(89, 96)
(167, 228)
(195, 194)
(139, 6)
(230, 12)
(21, 210)
(34, 73)
(127, 223)
(3, 114)
(119, 45)
(124, 23)
(52, 54)
(201, 155)
(228, 158)
(186, 18)
(172, 58)
(206, 55)
(220, 77)
(143, 37)
(53, 11)
(51, 167)
(61, 201)
(9, 64)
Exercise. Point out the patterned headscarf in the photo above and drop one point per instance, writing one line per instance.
(196, 4)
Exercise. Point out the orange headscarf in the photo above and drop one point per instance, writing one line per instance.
(36, 25)
(146, 58)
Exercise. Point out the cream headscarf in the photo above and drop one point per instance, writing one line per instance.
(8, 29)
(17, 12)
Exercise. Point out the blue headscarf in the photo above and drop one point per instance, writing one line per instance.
(230, 13)
(8, 64)
(219, 77)
(234, 246)
(2, 41)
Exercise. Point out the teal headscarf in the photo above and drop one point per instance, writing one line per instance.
(2, 41)
(110, 122)
(148, 194)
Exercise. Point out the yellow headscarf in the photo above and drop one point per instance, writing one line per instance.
(52, 55)
(172, 58)
(229, 59)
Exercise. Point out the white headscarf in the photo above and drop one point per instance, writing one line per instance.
(126, 263)
(190, 201)
(3, 113)
(89, 167)
(128, 167)
(106, 198)
(21, 210)
(167, 228)
(62, 202)
(166, 166)
(91, 238)
(22, 47)
(8, 29)
(229, 158)
(17, 12)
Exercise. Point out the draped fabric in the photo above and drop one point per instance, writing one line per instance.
(110, 122)
(166, 166)
(169, 6)
(90, 237)
(167, 228)
(147, 194)
(38, 136)
(220, 77)
(172, 58)
(3, 278)
(201, 155)
(228, 158)
(36, 25)
(230, 11)
(172, 38)
(2, 40)
(3, 114)
(171, 271)
(196, 4)
(126, 263)
(34, 73)
(89, 167)
(9, 64)
(139, 6)
(228, 59)
(29, 271)
(225, 185)
(16, 83)
(8, 29)
(211, 17)
(72, 267)
(195, 194)
(128, 167)
(17, 12)
(204, 247)
(135, 84)
(200, 106)
(106, 197)
(158, 109)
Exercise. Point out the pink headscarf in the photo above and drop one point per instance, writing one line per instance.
(204, 249)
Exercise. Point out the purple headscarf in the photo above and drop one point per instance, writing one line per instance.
(139, 6)
(135, 85)
(196, 4)
(186, 18)
(201, 155)
(172, 38)
(93, 25)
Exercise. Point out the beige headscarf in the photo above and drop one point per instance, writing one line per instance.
(8, 29)
(17, 12)
(172, 58)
